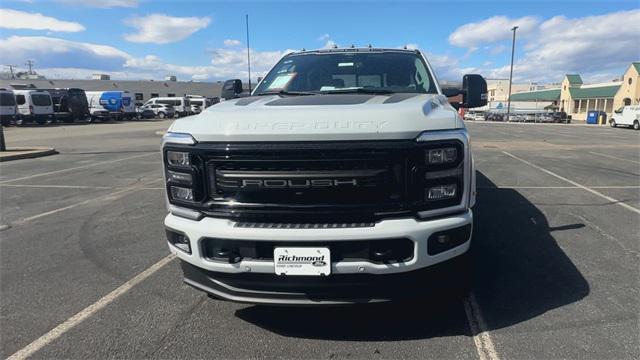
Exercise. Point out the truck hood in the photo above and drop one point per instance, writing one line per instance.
(321, 118)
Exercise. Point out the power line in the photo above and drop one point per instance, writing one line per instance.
(11, 70)
(30, 64)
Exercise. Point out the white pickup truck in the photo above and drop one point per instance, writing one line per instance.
(345, 177)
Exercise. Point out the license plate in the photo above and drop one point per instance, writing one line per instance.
(302, 261)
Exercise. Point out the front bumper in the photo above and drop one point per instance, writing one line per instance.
(225, 280)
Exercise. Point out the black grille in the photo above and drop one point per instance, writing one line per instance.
(315, 182)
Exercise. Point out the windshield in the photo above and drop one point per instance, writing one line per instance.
(41, 99)
(7, 99)
(393, 72)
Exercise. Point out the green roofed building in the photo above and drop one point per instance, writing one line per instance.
(577, 99)
(539, 95)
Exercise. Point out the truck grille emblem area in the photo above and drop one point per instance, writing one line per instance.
(296, 183)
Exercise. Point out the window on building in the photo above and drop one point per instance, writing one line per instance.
(630, 80)
(609, 106)
(171, 95)
(583, 106)
(139, 96)
(155, 95)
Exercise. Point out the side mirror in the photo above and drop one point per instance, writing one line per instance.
(231, 89)
(474, 91)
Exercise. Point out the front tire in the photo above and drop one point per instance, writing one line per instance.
(636, 125)
(613, 123)
(161, 115)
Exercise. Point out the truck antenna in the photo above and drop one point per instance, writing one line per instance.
(248, 53)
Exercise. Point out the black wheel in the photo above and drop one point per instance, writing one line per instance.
(613, 123)
(161, 115)
(636, 125)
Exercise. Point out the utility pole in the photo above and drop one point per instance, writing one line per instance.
(513, 47)
(30, 63)
(248, 54)
(3, 146)
(13, 76)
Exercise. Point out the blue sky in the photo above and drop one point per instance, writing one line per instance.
(205, 40)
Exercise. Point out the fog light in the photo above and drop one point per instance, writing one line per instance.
(448, 239)
(441, 156)
(179, 240)
(180, 193)
(178, 158)
(177, 177)
(441, 192)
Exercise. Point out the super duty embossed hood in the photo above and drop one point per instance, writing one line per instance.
(321, 118)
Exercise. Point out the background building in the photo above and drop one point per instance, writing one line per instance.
(577, 99)
(142, 89)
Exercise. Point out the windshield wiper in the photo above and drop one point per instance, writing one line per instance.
(285, 92)
(359, 90)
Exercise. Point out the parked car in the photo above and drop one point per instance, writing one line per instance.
(145, 113)
(195, 109)
(495, 117)
(201, 101)
(560, 117)
(468, 116)
(627, 116)
(34, 106)
(161, 110)
(516, 118)
(312, 196)
(69, 104)
(8, 108)
(478, 116)
(181, 105)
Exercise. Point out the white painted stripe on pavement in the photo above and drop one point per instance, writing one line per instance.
(481, 337)
(560, 187)
(591, 190)
(106, 196)
(613, 157)
(87, 312)
(78, 167)
(77, 187)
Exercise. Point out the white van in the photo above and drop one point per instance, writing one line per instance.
(96, 108)
(8, 109)
(34, 105)
(627, 115)
(181, 105)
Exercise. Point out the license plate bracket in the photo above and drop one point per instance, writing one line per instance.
(309, 261)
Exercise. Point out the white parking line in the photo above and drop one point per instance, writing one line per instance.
(77, 167)
(76, 187)
(614, 157)
(106, 196)
(481, 337)
(87, 312)
(591, 190)
(559, 187)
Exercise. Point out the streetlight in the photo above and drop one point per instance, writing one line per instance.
(513, 47)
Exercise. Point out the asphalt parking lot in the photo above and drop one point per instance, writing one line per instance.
(85, 272)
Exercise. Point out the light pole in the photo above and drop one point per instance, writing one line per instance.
(248, 56)
(513, 47)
